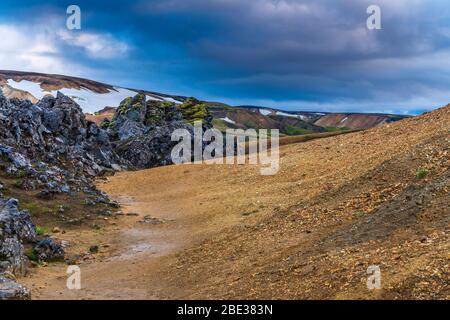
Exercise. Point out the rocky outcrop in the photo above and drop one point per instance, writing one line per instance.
(55, 131)
(151, 149)
(141, 130)
(11, 290)
(51, 147)
(67, 150)
(48, 250)
(16, 228)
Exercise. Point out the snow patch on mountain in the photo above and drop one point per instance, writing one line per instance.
(89, 101)
(226, 119)
(284, 114)
(343, 120)
(171, 100)
(265, 112)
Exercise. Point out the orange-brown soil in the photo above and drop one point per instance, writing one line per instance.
(353, 121)
(98, 117)
(337, 206)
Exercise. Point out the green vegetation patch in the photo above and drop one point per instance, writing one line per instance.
(220, 124)
(40, 231)
(31, 254)
(193, 110)
(36, 209)
(421, 173)
(291, 130)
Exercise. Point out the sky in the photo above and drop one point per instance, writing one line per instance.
(315, 55)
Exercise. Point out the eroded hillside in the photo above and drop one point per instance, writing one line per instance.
(338, 205)
(378, 197)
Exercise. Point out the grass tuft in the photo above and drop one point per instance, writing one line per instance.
(421, 173)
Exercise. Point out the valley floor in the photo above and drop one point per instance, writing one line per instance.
(337, 206)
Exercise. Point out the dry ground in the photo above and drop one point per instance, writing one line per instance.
(337, 206)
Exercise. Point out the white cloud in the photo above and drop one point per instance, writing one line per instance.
(96, 45)
(33, 50)
(39, 49)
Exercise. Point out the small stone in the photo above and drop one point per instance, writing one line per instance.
(93, 249)
(151, 220)
(11, 290)
(132, 214)
(49, 250)
(65, 244)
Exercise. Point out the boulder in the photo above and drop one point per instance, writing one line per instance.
(11, 290)
(142, 131)
(16, 227)
(151, 149)
(54, 131)
(48, 250)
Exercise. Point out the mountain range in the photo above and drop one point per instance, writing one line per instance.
(98, 101)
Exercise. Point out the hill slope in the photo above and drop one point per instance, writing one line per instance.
(337, 206)
(355, 120)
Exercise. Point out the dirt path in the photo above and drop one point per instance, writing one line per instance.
(132, 253)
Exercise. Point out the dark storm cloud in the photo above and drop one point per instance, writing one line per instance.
(318, 50)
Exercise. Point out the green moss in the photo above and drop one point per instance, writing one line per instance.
(31, 254)
(193, 110)
(123, 107)
(30, 206)
(18, 183)
(166, 104)
(36, 209)
(220, 124)
(40, 231)
(130, 103)
(421, 173)
(106, 123)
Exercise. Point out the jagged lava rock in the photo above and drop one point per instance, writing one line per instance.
(11, 290)
(48, 250)
(142, 130)
(16, 227)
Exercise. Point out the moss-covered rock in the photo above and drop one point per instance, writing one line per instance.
(159, 113)
(133, 108)
(193, 110)
(105, 124)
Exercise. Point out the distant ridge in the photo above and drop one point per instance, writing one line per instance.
(94, 97)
